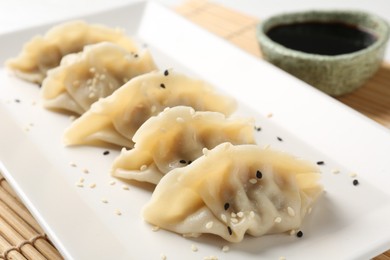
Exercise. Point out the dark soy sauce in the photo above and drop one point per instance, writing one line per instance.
(332, 38)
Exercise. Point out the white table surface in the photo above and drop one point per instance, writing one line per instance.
(16, 14)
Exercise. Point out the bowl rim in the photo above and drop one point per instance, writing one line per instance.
(263, 38)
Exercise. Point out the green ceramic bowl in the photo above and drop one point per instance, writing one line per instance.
(333, 74)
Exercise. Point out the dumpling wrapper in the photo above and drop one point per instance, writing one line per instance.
(175, 138)
(201, 197)
(83, 78)
(115, 119)
(42, 53)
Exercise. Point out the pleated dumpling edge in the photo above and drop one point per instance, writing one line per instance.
(235, 190)
(123, 112)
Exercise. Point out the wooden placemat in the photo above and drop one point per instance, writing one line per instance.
(20, 235)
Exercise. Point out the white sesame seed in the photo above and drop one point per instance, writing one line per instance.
(224, 218)
(76, 83)
(270, 115)
(225, 249)
(143, 167)
(118, 212)
(81, 180)
(335, 171)
(253, 181)
(352, 174)
(291, 211)
(234, 220)
(91, 95)
(292, 232)
(153, 109)
(73, 164)
(92, 185)
(282, 258)
(166, 109)
(78, 184)
(194, 248)
(72, 118)
(102, 76)
(267, 146)
(163, 257)
(92, 70)
(94, 82)
(85, 170)
(125, 187)
(240, 214)
(226, 146)
(211, 257)
(155, 228)
(112, 182)
(205, 151)
(233, 215)
(278, 220)
(123, 149)
(209, 224)
(104, 200)
(252, 214)
(192, 111)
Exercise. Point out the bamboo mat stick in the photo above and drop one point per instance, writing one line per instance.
(19, 208)
(16, 240)
(7, 187)
(28, 233)
(12, 254)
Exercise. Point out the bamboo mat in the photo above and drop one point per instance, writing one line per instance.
(20, 235)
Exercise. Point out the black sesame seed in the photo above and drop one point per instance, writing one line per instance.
(226, 206)
(279, 139)
(189, 162)
(166, 73)
(17, 100)
(320, 163)
(299, 234)
(259, 175)
(229, 230)
(257, 128)
(183, 161)
(162, 85)
(106, 152)
(135, 55)
(355, 182)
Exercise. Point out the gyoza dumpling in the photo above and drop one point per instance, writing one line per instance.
(175, 138)
(116, 118)
(42, 53)
(82, 78)
(234, 190)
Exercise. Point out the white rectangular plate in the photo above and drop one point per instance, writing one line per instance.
(348, 222)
